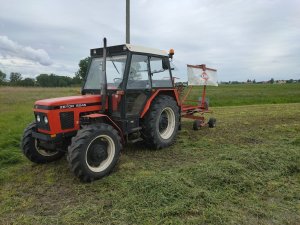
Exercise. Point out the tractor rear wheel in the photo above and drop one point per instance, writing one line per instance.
(161, 122)
(94, 152)
(33, 151)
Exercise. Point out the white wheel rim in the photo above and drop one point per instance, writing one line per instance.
(167, 133)
(110, 151)
(43, 152)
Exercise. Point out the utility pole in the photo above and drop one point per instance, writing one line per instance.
(127, 21)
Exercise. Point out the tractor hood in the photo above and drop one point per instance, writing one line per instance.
(69, 102)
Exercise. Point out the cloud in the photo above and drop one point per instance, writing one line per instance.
(9, 48)
(243, 39)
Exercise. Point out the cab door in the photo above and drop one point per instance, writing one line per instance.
(138, 88)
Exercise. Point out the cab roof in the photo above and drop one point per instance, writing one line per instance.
(128, 47)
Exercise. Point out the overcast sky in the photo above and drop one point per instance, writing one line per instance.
(242, 39)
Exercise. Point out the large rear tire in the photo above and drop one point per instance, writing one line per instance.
(160, 125)
(94, 152)
(31, 149)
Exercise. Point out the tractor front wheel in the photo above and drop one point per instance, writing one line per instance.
(32, 149)
(94, 152)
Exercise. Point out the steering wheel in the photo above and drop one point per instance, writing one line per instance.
(117, 79)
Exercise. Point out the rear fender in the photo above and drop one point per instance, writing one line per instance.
(170, 92)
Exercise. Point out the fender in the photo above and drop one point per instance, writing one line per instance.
(109, 121)
(171, 92)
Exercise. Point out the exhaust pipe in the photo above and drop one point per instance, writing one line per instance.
(104, 84)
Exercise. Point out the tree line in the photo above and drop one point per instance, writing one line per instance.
(271, 81)
(46, 80)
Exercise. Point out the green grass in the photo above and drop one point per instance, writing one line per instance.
(250, 94)
(244, 171)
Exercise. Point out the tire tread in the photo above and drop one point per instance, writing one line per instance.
(79, 141)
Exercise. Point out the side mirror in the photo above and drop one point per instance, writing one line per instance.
(165, 64)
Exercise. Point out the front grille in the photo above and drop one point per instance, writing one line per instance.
(67, 120)
(42, 125)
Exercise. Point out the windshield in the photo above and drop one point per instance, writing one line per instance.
(115, 66)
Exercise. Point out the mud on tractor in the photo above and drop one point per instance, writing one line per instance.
(128, 96)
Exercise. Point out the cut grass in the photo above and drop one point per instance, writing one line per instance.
(244, 171)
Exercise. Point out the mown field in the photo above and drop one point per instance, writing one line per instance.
(244, 171)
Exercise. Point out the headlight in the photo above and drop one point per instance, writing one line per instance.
(38, 118)
(46, 120)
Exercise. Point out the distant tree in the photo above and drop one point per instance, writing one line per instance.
(290, 81)
(254, 81)
(76, 81)
(52, 80)
(2, 77)
(15, 77)
(83, 68)
(27, 82)
(43, 80)
(63, 81)
(272, 81)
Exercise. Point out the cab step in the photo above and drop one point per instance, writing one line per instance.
(135, 140)
(136, 129)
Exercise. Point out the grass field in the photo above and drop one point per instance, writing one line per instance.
(244, 171)
(250, 94)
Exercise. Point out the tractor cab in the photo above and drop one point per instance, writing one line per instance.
(126, 76)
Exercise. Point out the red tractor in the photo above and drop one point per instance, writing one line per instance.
(128, 96)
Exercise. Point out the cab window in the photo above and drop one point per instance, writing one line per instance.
(160, 72)
(138, 77)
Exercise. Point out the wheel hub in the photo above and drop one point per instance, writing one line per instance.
(163, 122)
(97, 154)
(166, 123)
(44, 149)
